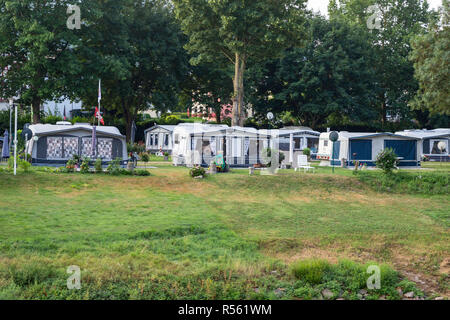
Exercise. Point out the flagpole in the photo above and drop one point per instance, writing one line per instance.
(99, 99)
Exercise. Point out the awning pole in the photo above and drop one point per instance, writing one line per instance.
(15, 140)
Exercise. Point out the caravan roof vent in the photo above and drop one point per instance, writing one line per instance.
(64, 123)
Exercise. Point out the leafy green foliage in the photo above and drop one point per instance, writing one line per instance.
(37, 48)
(235, 31)
(431, 59)
(145, 157)
(330, 80)
(387, 160)
(114, 167)
(394, 73)
(141, 173)
(141, 63)
(197, 172)
(98, 165)
(84, 167)
(307, 152)
(311, 271)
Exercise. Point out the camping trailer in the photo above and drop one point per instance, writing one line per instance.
(431, 140)
(293, 140)
(159, 138)
(199, 144)
(364, 147)
(56, 144)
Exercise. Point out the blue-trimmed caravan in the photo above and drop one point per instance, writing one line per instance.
(54, 145)
(364, 147)
(430, 140)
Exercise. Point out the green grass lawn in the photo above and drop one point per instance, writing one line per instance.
(229, 236)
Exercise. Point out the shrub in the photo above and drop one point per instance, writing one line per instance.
(387, 160)
(24, 165)
(145, 157)
(311, 270)
(70, 166)
(197, 172)
(307, 152)
(141, 173)
(84, 168)
(98, 165)
(125, 172)
(114, 167)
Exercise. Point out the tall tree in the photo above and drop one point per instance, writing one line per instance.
(330, 79)
(209, 86)
(37, 51)
(136, 48)
(399, 21)
(239, 30)
(431, 57)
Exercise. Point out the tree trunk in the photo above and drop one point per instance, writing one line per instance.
(383, 114)
(36, 105)
(238, 97)
(129, 117)
(218, 115)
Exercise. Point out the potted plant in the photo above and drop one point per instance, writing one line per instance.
(166, 156)
(197, 172)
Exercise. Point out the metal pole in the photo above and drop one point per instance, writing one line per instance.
(26, 139)
(332, 157)
(10, 127)
(99, 99)
(15, 140)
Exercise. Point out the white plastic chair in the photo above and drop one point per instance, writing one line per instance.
(304, 164)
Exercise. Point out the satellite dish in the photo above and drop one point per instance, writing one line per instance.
(27, 134)
(442, 146)
(270, 116)
(334, 136)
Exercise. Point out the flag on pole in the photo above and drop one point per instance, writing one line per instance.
(99, 116)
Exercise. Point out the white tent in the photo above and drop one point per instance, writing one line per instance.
(199, 144)
(293, 140)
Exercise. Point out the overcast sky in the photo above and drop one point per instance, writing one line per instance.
(322, 5)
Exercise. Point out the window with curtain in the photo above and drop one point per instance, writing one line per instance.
(166, 140)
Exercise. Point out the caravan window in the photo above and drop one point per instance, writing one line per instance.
(435, 147)
(325, 143)
(313, 144)
(177, 139)
(166, 140)
(151, 139)
(70, 147)
(156, 139)
(297, 143)
(54, 148)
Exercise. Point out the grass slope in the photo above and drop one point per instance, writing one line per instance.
(229, 236)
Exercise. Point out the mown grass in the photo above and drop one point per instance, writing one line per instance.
(230, 236)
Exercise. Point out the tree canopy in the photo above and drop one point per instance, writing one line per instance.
(239, 30)
(329, 79)
(431, 57)
(37, 51)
